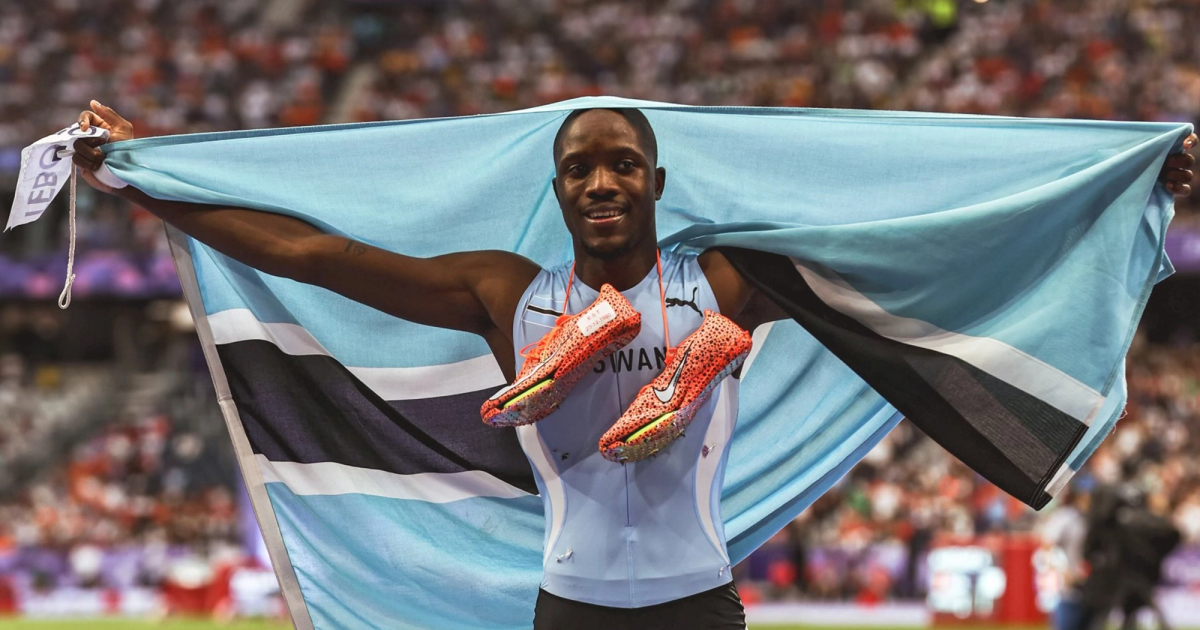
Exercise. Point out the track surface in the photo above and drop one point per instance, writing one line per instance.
(133, 624)
(200, 624)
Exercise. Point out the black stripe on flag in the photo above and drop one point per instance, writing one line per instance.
(1012, 438)
(310, 409)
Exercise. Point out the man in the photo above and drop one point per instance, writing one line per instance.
(1125, 546)
(639, 543)
(1065, 528)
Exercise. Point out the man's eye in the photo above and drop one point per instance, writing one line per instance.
(625, 165)
(576, 169)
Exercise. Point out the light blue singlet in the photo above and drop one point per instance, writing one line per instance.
(636, 534)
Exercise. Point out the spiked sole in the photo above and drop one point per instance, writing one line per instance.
(672, 423)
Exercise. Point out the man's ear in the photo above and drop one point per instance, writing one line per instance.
(554, 185)
(660, 182)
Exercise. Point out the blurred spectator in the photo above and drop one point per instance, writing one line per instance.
(1066, 529)
(1126, 544)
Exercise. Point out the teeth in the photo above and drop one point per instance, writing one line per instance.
(604, 214)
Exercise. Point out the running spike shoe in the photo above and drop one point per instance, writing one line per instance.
(663, 409)
(562, 357)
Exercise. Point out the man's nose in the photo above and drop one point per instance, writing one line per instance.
(602, 184)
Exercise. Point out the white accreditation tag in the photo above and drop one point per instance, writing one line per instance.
(45, 168)
(598, 315)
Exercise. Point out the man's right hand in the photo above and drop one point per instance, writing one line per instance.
(88, 157)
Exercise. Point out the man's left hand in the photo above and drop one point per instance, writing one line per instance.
(1177, 173)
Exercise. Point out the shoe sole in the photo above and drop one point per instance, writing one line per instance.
(529, 407)
(676, 422)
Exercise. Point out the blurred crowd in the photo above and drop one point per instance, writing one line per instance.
(34, 406)
(204, 65)
(867, 538)
(173, 67)
(132, 501)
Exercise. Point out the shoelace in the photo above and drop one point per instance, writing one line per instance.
(546, 339)
(540, 344)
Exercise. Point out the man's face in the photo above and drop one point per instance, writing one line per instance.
(606, 185)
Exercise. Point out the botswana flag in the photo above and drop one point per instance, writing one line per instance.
(982, 276)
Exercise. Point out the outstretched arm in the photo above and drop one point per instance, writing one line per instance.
(470, 291)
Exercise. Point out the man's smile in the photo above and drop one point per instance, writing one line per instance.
(604, 214)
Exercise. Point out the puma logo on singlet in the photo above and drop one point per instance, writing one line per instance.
(680, 302)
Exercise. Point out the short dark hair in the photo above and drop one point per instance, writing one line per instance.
(635, 117)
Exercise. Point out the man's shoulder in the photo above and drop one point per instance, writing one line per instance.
(490, 265)
(712, 262)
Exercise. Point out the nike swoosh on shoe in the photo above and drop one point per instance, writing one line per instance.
(667, 393)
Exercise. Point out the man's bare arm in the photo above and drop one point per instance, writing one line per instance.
(737, 298)
(470, 291)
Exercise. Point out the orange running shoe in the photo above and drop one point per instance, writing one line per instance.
(664, 408)
(562, 357)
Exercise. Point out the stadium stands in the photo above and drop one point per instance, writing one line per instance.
(203, 65)
(113, 472)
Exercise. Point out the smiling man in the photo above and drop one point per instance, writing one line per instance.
(639, 542)
(634, 543)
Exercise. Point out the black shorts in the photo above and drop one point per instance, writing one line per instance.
(716, 609)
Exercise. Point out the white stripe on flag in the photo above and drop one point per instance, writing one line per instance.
(471, 375)
(329, 478)
(716, 442)
(240, 324)
(1023, 371)
(757, 338)
(1060, 479)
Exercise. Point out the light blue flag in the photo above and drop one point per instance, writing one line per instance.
(981, 275)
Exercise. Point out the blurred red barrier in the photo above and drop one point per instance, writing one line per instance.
(984, 580)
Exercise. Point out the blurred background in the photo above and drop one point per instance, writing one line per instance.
(120, 498)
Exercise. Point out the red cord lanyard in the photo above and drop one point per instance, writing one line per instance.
(662, 296)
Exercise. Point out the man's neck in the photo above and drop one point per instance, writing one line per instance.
(622, 273)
